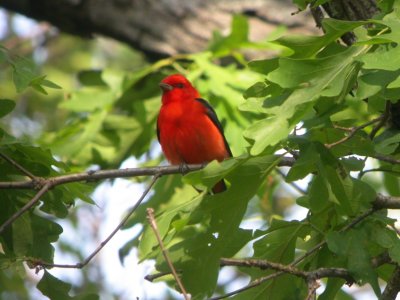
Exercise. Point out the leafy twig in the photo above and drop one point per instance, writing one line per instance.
(153, 225)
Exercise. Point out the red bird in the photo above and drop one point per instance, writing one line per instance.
(188, 128)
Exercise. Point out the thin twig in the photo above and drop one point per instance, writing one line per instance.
(82, 264)
(352, 132)
(263, 265)
(17, 166)
(153, 225)
(385, 158)
(27, 206)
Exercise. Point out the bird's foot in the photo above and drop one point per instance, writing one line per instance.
(184, 168)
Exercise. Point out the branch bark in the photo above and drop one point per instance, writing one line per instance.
(393, 286)
(115, 173)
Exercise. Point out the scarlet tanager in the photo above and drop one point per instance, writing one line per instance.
(188, 128)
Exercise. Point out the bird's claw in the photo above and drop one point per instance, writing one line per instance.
(184, 168)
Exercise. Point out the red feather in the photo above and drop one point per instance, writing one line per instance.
(188, 128)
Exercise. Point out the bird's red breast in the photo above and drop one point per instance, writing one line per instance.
(187, 127)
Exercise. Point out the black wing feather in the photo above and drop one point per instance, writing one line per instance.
(158, 133)
(213, 117)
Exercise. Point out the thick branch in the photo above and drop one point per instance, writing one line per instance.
(393, 286)
(382, 201)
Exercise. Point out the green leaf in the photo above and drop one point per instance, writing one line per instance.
(53, 287)
(333, 286)
(382, 59)
(387, 142)
(39, 82)
(264, 66)
(91, 78)
(259, 89)
(318, 194)
(22, 235)
(237, 38)
(307, 46)
(23, 73)
(267, 132)
(392, 183)
(305, 164)
(352, 245)
(374, 81)
(6, 106)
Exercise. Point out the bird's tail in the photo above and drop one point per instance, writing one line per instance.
(219, 187)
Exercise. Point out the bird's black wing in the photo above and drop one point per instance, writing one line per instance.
(213, 117)
(158, 133)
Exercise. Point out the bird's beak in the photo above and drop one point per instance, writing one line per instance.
(166, 87)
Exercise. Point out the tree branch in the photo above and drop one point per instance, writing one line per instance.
(117, 173)
(393, 286)
(100, 175)
(383, 202)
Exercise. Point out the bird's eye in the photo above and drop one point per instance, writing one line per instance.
(179, 85)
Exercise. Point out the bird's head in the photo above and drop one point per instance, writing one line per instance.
(177, 88)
